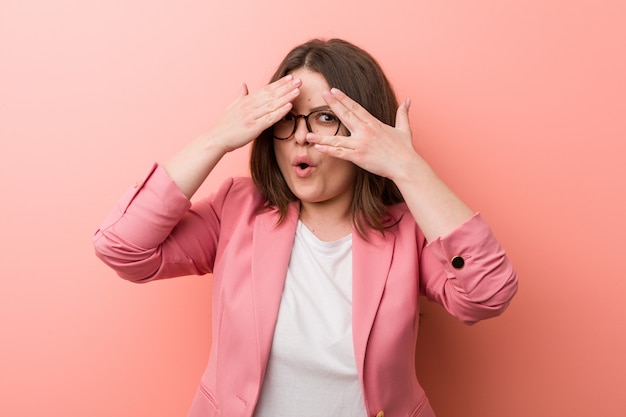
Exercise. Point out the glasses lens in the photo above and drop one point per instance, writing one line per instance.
(324, 122)
(284, 127)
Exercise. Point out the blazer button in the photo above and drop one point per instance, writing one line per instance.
(458, 262)
(380, 414)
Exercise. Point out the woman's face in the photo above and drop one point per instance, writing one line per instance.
(314, 178)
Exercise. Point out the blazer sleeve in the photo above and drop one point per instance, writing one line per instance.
(154, 231)
(468, 272)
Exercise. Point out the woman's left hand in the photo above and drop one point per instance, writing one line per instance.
(374, 146)
(388, 151)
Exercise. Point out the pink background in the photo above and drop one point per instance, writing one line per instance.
(520, 105)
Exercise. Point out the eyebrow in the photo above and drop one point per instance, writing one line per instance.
(320, 108)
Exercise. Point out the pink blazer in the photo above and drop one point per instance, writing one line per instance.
(154, 232)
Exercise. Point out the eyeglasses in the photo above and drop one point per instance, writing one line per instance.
(323, 122)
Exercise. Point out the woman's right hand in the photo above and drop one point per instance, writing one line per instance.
(241, 123)
(251, 114)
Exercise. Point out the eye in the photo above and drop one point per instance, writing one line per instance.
(326, 117)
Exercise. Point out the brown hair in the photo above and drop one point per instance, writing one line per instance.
(357, 74)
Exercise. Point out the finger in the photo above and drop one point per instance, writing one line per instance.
(243, 90)
(345, 142)
(274, 96)
(269, 118)
(352, 108)
(277, 102)
(340, 109)
(402, 115)
(335, 151)
(277, 107)
(282, 86)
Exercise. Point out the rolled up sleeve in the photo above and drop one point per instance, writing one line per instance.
(468, 272)
(152, 232)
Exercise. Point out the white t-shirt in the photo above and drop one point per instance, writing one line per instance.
(312, 370)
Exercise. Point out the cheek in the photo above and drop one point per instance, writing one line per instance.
(280, 152)
(345, 170)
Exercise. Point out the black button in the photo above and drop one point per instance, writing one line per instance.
(458, 262)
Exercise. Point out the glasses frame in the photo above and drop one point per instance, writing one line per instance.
(306, 122)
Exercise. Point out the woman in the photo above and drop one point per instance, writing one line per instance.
(319, 259)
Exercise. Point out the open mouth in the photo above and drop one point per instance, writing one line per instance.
(303, 166)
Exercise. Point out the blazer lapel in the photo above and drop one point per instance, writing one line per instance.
(271, 251)
(371, 261)
(272, 244)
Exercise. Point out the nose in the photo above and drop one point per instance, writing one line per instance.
(301, 131)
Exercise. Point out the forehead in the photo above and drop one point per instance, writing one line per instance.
(313, 84)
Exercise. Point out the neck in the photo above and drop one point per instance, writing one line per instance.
(326, 221)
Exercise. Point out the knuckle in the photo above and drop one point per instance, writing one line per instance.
(269, 117)
(269, 91)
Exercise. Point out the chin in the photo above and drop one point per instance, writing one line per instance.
(306, 195)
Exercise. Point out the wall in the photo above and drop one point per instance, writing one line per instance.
(519, 105)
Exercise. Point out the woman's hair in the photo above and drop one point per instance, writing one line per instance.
(357, 74)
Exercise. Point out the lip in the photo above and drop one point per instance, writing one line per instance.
(303, 166)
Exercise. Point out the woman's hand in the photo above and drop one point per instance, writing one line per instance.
(388, 151)
(374, 146)
(251, 114)
(241, 123)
